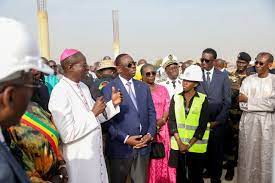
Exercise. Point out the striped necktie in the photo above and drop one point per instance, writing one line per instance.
(131, 94)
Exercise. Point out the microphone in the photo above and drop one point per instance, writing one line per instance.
(95, 93)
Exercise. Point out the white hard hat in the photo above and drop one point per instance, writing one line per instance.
(18, 50)
(168, 60)
(192, 73)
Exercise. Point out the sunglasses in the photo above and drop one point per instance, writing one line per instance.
(260, 63)
(130, 65)
(205, 60)
(148, 74)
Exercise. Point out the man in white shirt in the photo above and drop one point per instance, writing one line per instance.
(172, 83)
(257, 124)
(78, 117)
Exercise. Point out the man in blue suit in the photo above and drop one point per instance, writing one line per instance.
(18, 56)
(216, 86)
(130, 131)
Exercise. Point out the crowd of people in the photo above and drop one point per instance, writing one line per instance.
(120, 121)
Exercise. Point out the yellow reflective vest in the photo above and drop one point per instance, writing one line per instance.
(187, 125)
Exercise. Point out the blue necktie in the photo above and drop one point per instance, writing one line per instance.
(131, 94)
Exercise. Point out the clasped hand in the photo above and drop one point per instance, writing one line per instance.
(139, 141)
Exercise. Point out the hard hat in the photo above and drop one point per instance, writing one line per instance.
(192, 73)
(18, 50)
(169, 60)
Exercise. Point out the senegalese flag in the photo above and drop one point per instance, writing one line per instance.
(50, 133)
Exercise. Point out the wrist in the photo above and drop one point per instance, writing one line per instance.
(188, 144)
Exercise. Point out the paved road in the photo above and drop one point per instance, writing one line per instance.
(224, 181)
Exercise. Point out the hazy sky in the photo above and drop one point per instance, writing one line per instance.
(152, 29)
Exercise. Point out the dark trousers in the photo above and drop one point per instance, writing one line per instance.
(215, 154)
(190, 168)
(231, 144)
(135, 167)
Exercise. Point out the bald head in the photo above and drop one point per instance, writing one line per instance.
(219, 64)
(267, 55)
(119, 58)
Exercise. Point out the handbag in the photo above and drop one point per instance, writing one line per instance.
(157, 150)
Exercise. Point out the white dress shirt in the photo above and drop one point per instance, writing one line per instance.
(210, 75)
(2, 139)
(124, 81)
(168, 84)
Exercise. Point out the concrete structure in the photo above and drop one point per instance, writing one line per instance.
(43, 29)
(116, 44)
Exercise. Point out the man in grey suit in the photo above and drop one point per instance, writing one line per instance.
(18, 55)
(216, 86)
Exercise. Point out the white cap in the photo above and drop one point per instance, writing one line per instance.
(192, 73)
(18, 50)
(168, 60)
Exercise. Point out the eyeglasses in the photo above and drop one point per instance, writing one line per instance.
(130, 65)
(205, 60)
(260, 63)
(148, 74)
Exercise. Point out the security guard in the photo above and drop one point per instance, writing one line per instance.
(188, 119)
(172, 82)
(106, 72)
(231, 146)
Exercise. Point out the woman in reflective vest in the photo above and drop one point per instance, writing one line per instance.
(188, 123)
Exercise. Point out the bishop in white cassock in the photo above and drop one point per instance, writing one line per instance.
(257, 125)
(77, 117)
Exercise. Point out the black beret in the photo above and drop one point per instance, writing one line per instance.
(244, 56)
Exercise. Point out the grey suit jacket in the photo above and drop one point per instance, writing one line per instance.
(218, 95)
(10, 170)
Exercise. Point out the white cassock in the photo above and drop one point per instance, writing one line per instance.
(71, 104)
(256, 136)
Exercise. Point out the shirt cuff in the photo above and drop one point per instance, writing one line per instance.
(126, 138)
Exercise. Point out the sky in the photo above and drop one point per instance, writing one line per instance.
(152, 29)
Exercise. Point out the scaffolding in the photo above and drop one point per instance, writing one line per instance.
(43, 29)
(116, 44)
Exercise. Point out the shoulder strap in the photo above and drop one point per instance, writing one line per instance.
(49, 133)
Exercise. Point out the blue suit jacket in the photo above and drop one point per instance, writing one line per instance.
(10, 170)
(218, 95)
(128, 121)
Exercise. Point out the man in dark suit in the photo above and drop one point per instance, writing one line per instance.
(216, 86)
(130, 131)
(19, 54)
